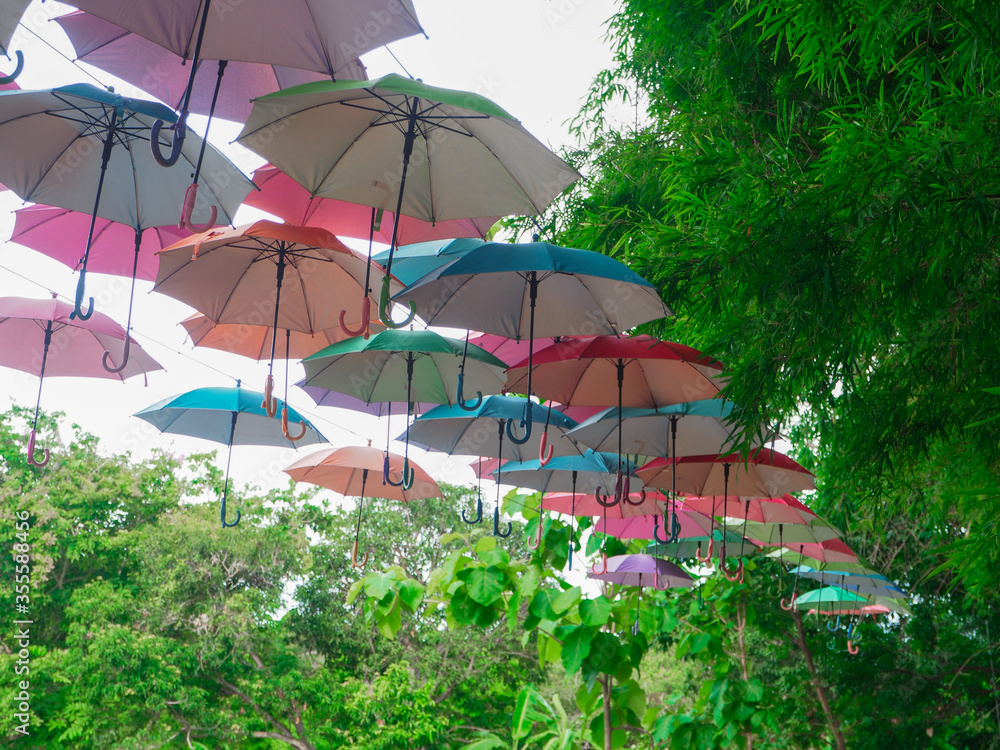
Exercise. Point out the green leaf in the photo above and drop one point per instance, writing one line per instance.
(378, 585)
(411, 593)
(565, 600)
(484, 584)
(576, 647)
(595, 612)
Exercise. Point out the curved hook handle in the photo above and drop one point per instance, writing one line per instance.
(106, 361)
(832, 644)
(701, 601)
(604, 565)
(269, 404)
(852, 647)
(479, 513)
(366, 319)
(386, 479)
(284, 426)
(656, 531)
(180, 131)
(31, 452)
(460, 396)
(222, 514)
(708, 556)
(853, 631)
(384, 303)
(187, 209)
(736, 576)
(354, 557)
(832, 626)
(545, 451)
(628, 495)
(536, 541)
(496, 525)
(602, 498)
(788, 604)
(409, 474)
(514, 438)
(17, 70)
(675, 529)
(78, 304)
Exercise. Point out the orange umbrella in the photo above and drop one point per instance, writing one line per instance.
(346, 470)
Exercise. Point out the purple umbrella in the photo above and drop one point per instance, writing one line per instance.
(644, 570)
(324, 397)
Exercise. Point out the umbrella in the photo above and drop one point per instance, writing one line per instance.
(414, 261)
(641, 571)
(770, 534)
(164, 74)
(403, 366)
(582, 290)
(394, 143)
(231, 416)
(346, 470)
(868, 582)
(326, 397)
(46, 228)
(73, 136)
(41, 337)
(785, 509)
(641, 507)
(307, 34)
(280, 195)
(265, 272)
(10, 16)
(695, 532)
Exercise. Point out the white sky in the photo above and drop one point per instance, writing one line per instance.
(535, 58)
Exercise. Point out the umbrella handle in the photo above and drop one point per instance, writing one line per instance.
(536, 541)
(852, 647)
(223, 515)
(657, 586)
(269, 404)
(832, 644)
(386, 479)
(675, 527)
(836, 626)
(180, 131)
(701, 601)
(354, 557)
(656, 530)
(496, 525)
(409, 474)
(284, 426)
(479, 513)
(545, 450)
(514, 438)
(604, 565)
(602, 498)
(460, 396)
(31, 452)
(187, 209)
(383, 307)
(17, 71)
(642, 497)
(853, 633)
(789, 604)
(106, 361)
(621, 486)
(78, 304)
(708, 556)
(736, 576)
(366, 318)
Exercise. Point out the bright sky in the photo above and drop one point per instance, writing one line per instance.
(535, 58)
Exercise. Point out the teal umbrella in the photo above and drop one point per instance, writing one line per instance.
(415, 261)
(231, 416)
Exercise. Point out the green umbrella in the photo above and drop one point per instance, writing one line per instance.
(408, 366)
(398, 144)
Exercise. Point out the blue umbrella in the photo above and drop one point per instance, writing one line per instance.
(231, 416)
(584, 293)
(414, 261)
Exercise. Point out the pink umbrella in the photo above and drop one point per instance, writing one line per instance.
(576, 504)
(763, 473)
(784, 509)
(164, 74)
(644, 527)
(285, 198)
(38, 336)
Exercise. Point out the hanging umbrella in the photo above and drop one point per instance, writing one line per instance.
(41, 337)
(642, 507)
(348, 470)
(698, 537)
(643, 571)
(47, 228)
(865, 583)
(326, 397)
(164, 74)
(264, 273)
(280, 195)
(514, 350)
(394, 143)
(306, 34)
(785, 509)
(763, 473)
(830, 551)
(73, 137)
(231, 416)
(780, 534)
(414, 261)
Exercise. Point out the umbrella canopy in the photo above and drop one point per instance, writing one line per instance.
(643, 570)
(833, 551)
(456, 429)
(308, 34)
(763, 473)
(583, 371)
(164, 73)
(700, 429)
(326, 397)
(377, 369)
(280, 195)
(514, 350)
(830, 597)
(697, 534)
(770, 534)
(785, 509)
(343, 470)
(536, 289)
(638, 510)
(858, 582)
(46, 229)
(77, 151)
(414, 261)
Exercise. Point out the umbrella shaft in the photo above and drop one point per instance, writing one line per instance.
(41, 373)
(105, 158)
(411, 135)
(195, 60)
(277, 302)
